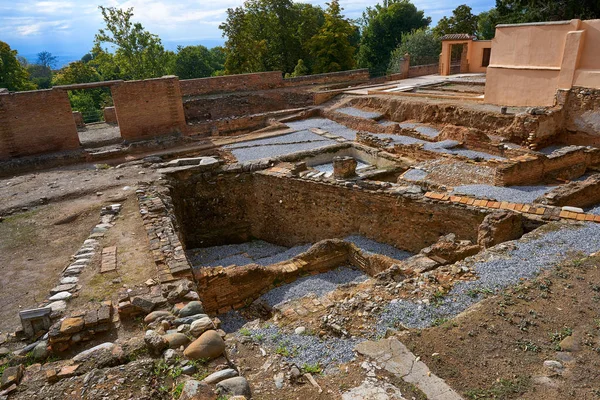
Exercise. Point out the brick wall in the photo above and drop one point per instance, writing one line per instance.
(420, 70)
(357, 75)
(149, 108)
(110, 115)
(36, 122)
(231, 83)
(232, 208)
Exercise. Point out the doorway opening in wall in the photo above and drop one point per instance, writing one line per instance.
(485, 61)
(95, 116)
(456, 53)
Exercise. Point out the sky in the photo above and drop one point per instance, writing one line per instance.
(66, 28)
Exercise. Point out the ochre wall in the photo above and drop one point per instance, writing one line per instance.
(476, 55)
(530, 62)
(149, 108)
(36, 122)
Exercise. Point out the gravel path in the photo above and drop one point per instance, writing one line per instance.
(320, 285)
(422, 129)
(326, 124)
(514, 194)
(306, 349)
(256, 251)
(278, 145)
(357, 112)
(497, 269)
(371, 246)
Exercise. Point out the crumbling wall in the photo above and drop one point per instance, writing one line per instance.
(149, 108)
(420, 70)
(531, 169)
(231, 208)
(231, 83)
(577, 194)
(110, 115)
(357, 75)
(36, 122)
(582, 117)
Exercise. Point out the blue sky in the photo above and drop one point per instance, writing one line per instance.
(66, 27)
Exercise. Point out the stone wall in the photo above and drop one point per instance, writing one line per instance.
(224, 288)
(231, 83)
(36, 122)
(110, 115)
(531, 169)
(577, 194)
(232, 208)
(581, 107)
(149, 108)
(420, 70)
(357, 75)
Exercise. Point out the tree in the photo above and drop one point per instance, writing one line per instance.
(193, 62)
(87, 58)
(41, 76)
(46, 59)
(138, 54)
(269, 35)
(382, 29)
(13, 76)
(330, 47)
(486, 24)
(217, 59)
(423, 47)
(76, 72)
(461, 21)
(521, 11)
(299, 70)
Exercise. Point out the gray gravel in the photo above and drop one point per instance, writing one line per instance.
(515, 194)
(306, 349)
(400, 139)
(422, 129)
(593, 210)
(326, 124)
(415, 175)
(371, 246)
(256, 251)
(277, 146)
(357, 112)
(497, 268)
(320, 285)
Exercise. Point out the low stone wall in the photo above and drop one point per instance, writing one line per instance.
(357, 75)
(80, 327)
(224, 288)
(78, 119)
(577, 194)
(420, 70)
(231, 83)
(531, 169)
(581, 108)
(110, 115)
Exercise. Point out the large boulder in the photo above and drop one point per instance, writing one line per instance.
(156, 343)
(208, 346)
(154, 315)
(237, 386)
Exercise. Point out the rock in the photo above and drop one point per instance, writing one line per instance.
(208, 346)
(40, 351)
(58, 306)
(156, 343)
(374, 390)
(188, 320)
(170, 356)
(553, 366)
(71, 325)
(176, 340)
(143, 304)
(196, 390)
(60, 296)
(4, 351)
(300, 330)
(569, 344)
(154, 315)
(237, 386)
(11, 376)
(191, 308)
(218, 376)
(189, 369)
(278, 379)
(69, 279)
(177, 294)
(200, 326)
(295, 373)
(572, 209)
(84, 355)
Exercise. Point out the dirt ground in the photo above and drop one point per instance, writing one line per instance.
(497, 350)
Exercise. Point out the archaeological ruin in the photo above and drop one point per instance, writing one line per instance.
(432, 234)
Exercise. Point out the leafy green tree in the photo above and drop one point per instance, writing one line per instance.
(382, 29)
(193, 62)
(217, 58)
(40, 75)
(423, 47)
(268, 35)
(486, 24)
(87, 58)
(521, 11)
(299, 70)
(76, 72)
(462, 21)
(138, 54)
(13, 76)
(104, 63)
(46, 59)
(330, 47)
